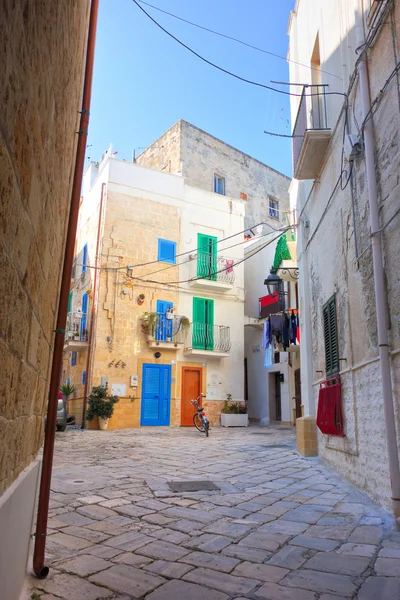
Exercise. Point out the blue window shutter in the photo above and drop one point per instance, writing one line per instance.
(167, 251)
(73, 359)
(84, 258)
(85, 299)
(83, 377)
(164, 328)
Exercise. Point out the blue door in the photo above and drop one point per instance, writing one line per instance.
(164, 326)
(83, 330)
(156, 394)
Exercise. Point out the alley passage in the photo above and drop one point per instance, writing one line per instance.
(279, 526)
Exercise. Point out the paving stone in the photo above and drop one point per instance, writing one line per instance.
(107, 528)
(228, 528)
(370, 521)
(314, 507)
(84, 564)
(181, 590)
(329, 597)
(256, 519)
(313, 543)
(161, 549)
(250, 506)
(389, 567)
(189, 514)
(389, 553)
(158, 519)
(153, 504)
(96, 512)
(222, 581)
(70, 587)
(289, 557)
(185, 526)
(86, 534)
(246, 553)
(279, 508)
(91, 499)
(209, 542)
(265, 541)
(114, 502)
(74, 518)
(366, 534)
(213, 561)
(169, 535)
(304, 516)
(120, 520)
(133, 511)
(331, 562)
(172, 570)
(263, 572)
(128, 580)
(273, 591)
(69, 541)
(316, 581)
(380, 588)
(228, 511)
(132, 540)
(286, 527)
(130, 558)
(333, 533)
(56, 523)
(352, 549)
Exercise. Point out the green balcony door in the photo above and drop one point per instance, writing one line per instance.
(203, 324)
(207, 256)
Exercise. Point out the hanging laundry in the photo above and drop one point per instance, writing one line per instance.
(298, 329)
(293, 320)
(276, 323)
(268, 357)
(229, 265)
(285, 331)
(265, 335)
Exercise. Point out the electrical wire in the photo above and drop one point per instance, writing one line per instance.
(229, 37)
(255, 83)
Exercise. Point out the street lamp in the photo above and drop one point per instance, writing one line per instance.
(273, 282)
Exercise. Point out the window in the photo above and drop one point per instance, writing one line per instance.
(167, 251)
(207, 256)
(83, 377)
(331, 338)
(273, 208)
(219, 185)
(84, 258)
(73, 359)
(203, 324)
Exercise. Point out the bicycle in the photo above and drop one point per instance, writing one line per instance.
(200, 420)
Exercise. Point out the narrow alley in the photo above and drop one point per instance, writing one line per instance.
(162, 513)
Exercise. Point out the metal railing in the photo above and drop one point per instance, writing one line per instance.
(201, 336)
(77, 326)
(213, 267)
(164, 329)
(312, 115)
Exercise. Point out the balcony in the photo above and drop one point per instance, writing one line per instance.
(207, 340)
(76, 333)
(164, 332)
(212, 273)
(311, 134)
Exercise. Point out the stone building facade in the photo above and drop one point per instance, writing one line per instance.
(42, 61)
(334, 241)
(199, 157)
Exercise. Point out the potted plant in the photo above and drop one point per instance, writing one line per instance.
(170, 313)
(234, 414)
(101, 405)
(67, 390)
(185, 324)
(149, 321)
(140, 299)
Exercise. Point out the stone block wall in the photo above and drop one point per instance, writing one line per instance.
(41, 68)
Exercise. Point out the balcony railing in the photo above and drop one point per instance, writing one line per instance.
(211, 338)
(76, 328)
(164, 329)
(311, 133)
(210, 271)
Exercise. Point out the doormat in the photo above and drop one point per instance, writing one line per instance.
(192, 486)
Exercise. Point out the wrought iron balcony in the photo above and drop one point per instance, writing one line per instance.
(164, 331)
(203, 339)
(212, 272)
(76, 331)
(311, 134)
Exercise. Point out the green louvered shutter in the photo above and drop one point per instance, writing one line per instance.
(331, 338)
(207, 256)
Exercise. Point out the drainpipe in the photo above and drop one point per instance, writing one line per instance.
(94, 305)
(378, 268)
(39, 567)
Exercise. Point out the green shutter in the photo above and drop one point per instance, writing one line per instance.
(206, 256)
(203, 324)
(331, 338)
(70, 297)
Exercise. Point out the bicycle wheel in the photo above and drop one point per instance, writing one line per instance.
(206, 427)
(198, 422)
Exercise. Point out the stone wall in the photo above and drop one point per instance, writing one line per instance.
(41, 69)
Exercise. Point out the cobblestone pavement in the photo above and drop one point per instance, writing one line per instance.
(279, 527)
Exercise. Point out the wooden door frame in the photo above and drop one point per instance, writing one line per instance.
(189, 368)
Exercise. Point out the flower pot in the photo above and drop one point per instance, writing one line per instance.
(103, 423)
(228, 420)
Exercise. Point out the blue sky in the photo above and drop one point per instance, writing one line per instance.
(144, 81)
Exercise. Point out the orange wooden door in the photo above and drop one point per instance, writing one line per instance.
(191, 388)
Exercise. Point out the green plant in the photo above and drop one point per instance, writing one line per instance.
(148, 322)
(185, 324)
(229, 397)
(67, 390)
(142, 296)
(234, 408)
(100, 403)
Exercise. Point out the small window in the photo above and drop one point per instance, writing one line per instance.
(331, 339)
(83, 377)
(84, 258)
(219, 185)
(273, 208)
(73, 359)
(68, 381)
(167, 251)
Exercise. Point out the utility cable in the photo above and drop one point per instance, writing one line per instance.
(229, 37)
(256, 83)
